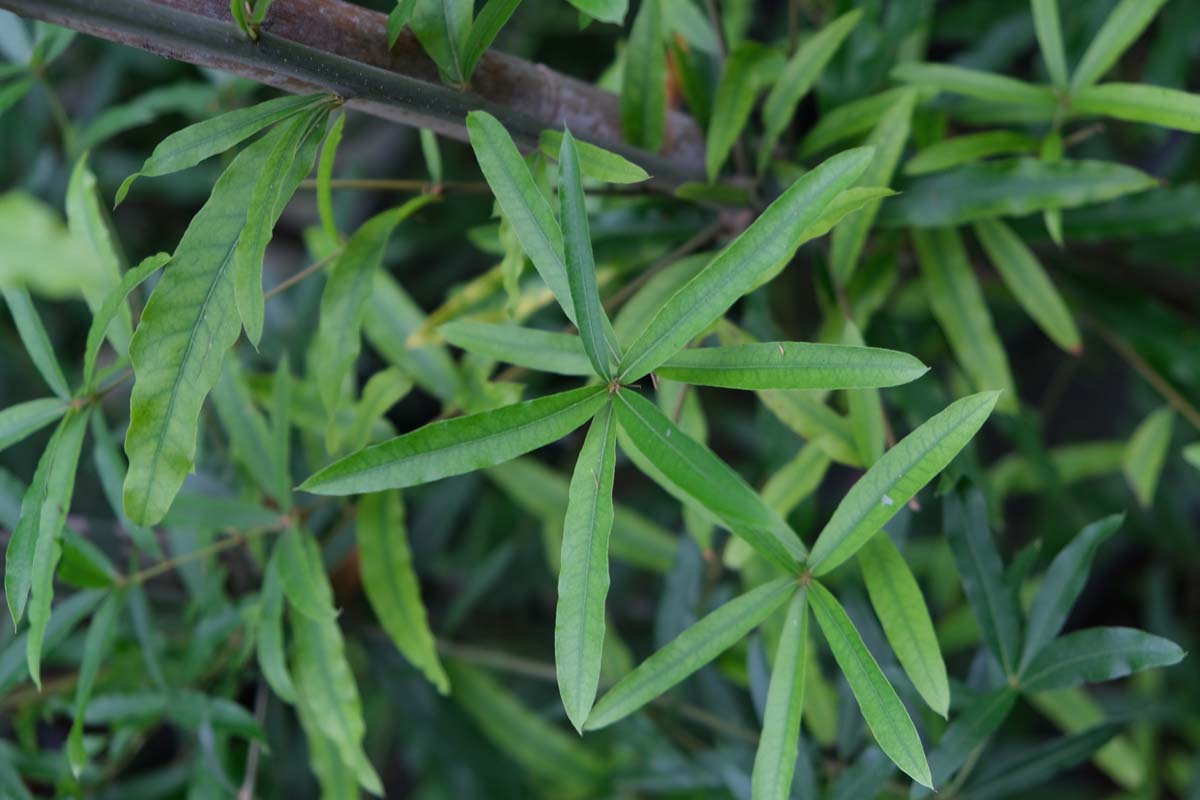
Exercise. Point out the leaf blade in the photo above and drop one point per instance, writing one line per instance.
(775, 759)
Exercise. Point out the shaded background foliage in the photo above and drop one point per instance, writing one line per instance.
(1128, 272)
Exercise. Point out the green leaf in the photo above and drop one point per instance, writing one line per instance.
(848, 120)
(796, 479)
(691, 472)
(67, 615)
(594, 162)
(442, 28)
(36, 340)
(1072, 463)
(792, 365)
(397, 19)
(991, 597)
(297, 559)
(96, 648)
(391, 318)
(583, 575)
(975, 83)
(326, 161)
(88, 221)
(581, 268)
(391, 583)
(898, 475)
(818, 423)
(775, 760)
(1009, 188)
(901, 609)
(281, 429)
(195, 143)
(112, 306)
(1191, 454)
(382, 391)
(969, 731)
(1122, 28)
(249, 437)
(635, 315)
(1092, 655)
(603, 10)
(545, 351)
(1031, 767)
(1028, 281)
(455, 446)
(644, 80)
(492, 17)
(956, 299)
(881, 708)
(967, 149)
(1146, 453)
(14, 92)
(749, 67)
(865, 410)
(888, 138)
(23, 419)
(268, 636)
(1072, 711)
(1135, 102)
(797, 78)
(771, 239)
(1049, 36)
(689, 651)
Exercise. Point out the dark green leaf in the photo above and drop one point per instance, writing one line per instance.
(1092, 655)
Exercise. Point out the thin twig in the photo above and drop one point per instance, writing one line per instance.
(1157, 381)
(292, 280)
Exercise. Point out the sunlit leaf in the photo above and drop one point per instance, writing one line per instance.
(1146, 453)
(1122, 27)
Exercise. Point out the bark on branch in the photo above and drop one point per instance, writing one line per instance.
(338, 47)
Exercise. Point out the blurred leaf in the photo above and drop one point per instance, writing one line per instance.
(545, 351)
(1092, 655)
(442, 27)
(1133, 102)
(865, 410)
(36, 340)
(1049, 36)
(604, 10)
(775, 759)
(1073, 711)
(849, 120)
(398, 18)
(297, 560)
(326, 160)
(65, 617)
(975, 83)
(114, 305)
(1122, 27)
(23, 419)
(492, 17)
(967, 149)
(1072, 463)
(749, 67)
(969, 731)
(89, 221)
(96, 649)
(268, 636)
(1146, 453)
(1035, 765)
(644, 82)
(192, 99)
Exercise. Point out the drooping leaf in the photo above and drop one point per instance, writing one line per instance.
(88, 220)
(848, 120)
(544, 351)
(1049, 36)
(604, 10)
(325, 163)
(455, 446)
(970, 730)
(1122, 27)
(644, 81)
(881, 708)
(583, 574)
(297, 560)
(975, 83)
(391, 582)
(1097, 654)
(96, 648)
(23, 419)
(397, 18)
(442, 28)
(382, 391)
(969, 148)
(1146, 453)
(900, 606)
(775, 759)
(268, 636)
(111, 307)
(594, 162)
(691, 472)
(749, 67)
(1035, 765)
(689, 651)
(249, 436)
(487, 24)
(1135, 102)
(898, 475)
(772, 238)
(36, 340)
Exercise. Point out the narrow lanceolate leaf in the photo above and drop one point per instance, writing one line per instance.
(888, 138)
(1135, 102)
(901, 609)
(748, 67)
(279, 448)
(249, 437)
(603, 10)
(775, 760)
(594, 162)
(325, 171)
(792, 365)
(1093, 655)
(1146, 453)
(545, 351)
(991, 597)
(1028, 281)
(391, 582)
(344, 302)
(111, 307)
(849, 120)
(1010, 188)
(799, 74)
(881, 708)
(583, 574)
(1049, 36)
(896, 477)
(957, 302)
(442, 27)
(36, 340)
(23, 419)
(487, 24)
(577, 255)
(1033, 766)
(88, 221)
(644, 81)
(193, 144)
(689, 651)
(1124, 25)
(773, 238)
(692, 473)
(397, 19)
(96, 648)
(865, 410)
(1063, 582)
(268, 636)
(967, 149)
(976, 83)
(326, 687)
(455, 446)
(297, 559)
(970, 729)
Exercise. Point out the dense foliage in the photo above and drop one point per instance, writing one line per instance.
(339, 457)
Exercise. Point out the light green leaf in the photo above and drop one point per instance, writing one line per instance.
(281, 430)
(1093, 655)
(635, 315)
(1136, 102)
(326, 161)
(896, 477)
(957, 303)
(268, 636)
(113, 304)
(36, 340)
(865, 409)
(455, 446)
(583, 575)
(775, 760)
(581, 268)
(967, 149)
(1029, 283)
(689, 651)
(644, 80)
(1124, 25)
(336, 780)
(96, 647)
(808, 416)
(1072, 463)
(1146, 453)
(23, 419)
(970, 729)
(603, 10)
(1049, 36)
(249, 436)
(881, 708)
(391, 583)
(382, 391)
(772, 238)
(1191, 454)
(492, 17)
(397, 19)
(796, 479)
(545, 351)
(792, 365)
(748, 69)
(849, 120)
(594, 162)
(297, 559)
(975, 83)
(442, 28)
(901, 609)
(691, 472)
(797, 78)
(195, 143)
(88, 221)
